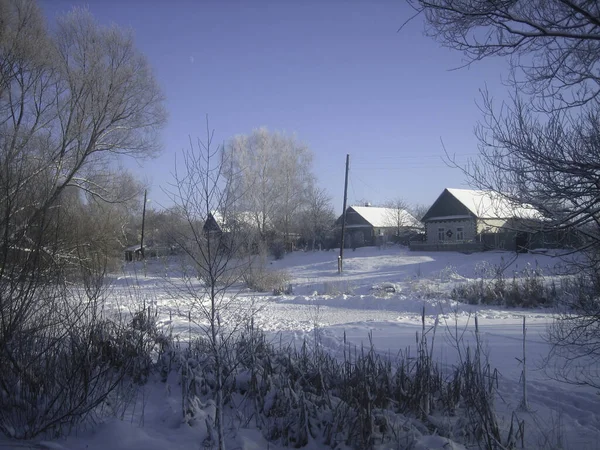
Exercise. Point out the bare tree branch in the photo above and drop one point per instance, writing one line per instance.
(542, 148)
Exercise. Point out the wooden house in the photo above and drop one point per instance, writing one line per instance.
(474, 220)
(235, 222)
(372, 225)
(237, 229)
(133, 253)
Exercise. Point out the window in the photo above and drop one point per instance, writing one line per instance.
(441, 234)
(459, 234)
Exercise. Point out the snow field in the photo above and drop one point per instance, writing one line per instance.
(381, 294)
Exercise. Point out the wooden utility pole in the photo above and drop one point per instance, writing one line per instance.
(524, 404)
(143, 223)
(341, 258)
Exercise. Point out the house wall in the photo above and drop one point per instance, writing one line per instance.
(468, 226)
(358, 236)
(384, 231)
(491, 225)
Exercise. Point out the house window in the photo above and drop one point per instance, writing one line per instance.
(459, 234)
(441, 234)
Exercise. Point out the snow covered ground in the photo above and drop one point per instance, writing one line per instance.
(381, 293)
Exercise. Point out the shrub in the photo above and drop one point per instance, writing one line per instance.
(65, 363)
(337, 288)
(277, 249)
(361, 399)
(527, 289)
(260, 279)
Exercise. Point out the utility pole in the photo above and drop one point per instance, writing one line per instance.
(341, 257)
(143, 223)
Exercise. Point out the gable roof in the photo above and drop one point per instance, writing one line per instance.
(385, 217)
(488, 205)
(245, 219)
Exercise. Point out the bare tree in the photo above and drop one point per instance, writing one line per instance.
(163, 227)
(398, 216)
(552, 46)
(297, 181)
(88, 227)
(71, 101)
(418, 210)
(66, 114)
(274, 172)
(200, 191)
(317, 218)
(543, 148)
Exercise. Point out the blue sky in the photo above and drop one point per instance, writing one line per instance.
(338, 74)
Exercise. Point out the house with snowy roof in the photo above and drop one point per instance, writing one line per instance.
(373, 225)
(475, 220)
(247, 228)
(218, 223)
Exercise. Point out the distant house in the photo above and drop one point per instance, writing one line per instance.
(474, 220)
(236, 229)
(214, 223)
(247, 222)
(133, 253)
(372, 225)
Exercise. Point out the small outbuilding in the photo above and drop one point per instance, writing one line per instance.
(133, 253)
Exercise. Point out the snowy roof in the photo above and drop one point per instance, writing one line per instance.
(492, 205)
(242, 218)
(386, 217)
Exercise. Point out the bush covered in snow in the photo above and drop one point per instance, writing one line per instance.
(65, 365)
(362, 400)
(527, 288)
(261, 279)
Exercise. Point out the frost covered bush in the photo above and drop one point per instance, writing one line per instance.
(385, 289)
(260, 279)
(362, 399)
(528, 288)
(64, 362)
(575, 333)
(448, 273)
(337, 288)
(581, 292)
(129, 346)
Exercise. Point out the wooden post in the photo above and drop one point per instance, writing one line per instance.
(524, 403)
(143, 223)
(341, 258)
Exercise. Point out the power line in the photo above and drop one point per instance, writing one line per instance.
(416, 156)
(351, 185)
(404, 167)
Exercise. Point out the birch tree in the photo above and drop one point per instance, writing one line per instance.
(274, 175)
